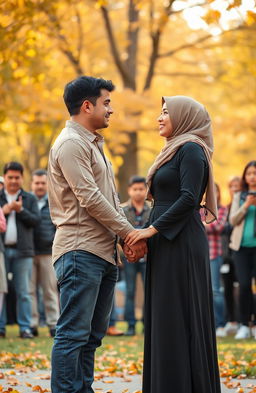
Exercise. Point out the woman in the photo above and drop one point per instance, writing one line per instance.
(243, 242)
(180, 348)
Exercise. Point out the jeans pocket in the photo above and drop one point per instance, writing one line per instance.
(59, 269)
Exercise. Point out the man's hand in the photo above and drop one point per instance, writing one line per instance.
(17, 205)
(7, 208)
(135, 252)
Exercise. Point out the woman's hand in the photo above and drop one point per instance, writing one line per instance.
(139, 234)
(250, 201)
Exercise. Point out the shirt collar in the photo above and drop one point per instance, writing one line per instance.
(84, 132)
(14, 196)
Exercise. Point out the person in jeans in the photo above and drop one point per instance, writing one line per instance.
(85, 208)
(137, 212)
(3, 281)
(22, 215)
(43, 274)
(243, 241)
(228, 268)
(214, 231)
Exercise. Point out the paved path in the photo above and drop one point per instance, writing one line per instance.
(25, 382)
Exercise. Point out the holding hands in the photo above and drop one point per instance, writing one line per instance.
(135, 246)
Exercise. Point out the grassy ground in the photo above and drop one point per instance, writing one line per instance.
(119, 353)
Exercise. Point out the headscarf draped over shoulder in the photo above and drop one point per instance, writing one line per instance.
(191, 123)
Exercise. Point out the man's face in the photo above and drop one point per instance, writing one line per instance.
(137, 192)
(13, 181)
(101, 111)
(39, 185)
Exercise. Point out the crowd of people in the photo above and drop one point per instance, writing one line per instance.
(26, 255)
(72, 220)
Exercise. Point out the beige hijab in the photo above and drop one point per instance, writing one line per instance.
(191, 123)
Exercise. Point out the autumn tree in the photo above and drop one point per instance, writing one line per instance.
(145, 46)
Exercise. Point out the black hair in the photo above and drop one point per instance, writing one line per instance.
(136, 179)
(13, 166)
(84, 88)
(244, 185)
(39, 172)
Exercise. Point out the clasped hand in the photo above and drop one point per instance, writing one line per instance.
(135, 246)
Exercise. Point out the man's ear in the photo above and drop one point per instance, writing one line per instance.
(87, 106)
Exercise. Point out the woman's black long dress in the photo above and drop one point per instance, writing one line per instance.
(180, 345)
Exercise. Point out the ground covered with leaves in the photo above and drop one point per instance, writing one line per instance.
(118, 357)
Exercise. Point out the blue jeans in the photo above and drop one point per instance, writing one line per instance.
(21, 268)
(218, 296)
(86, 283)
(131, 270)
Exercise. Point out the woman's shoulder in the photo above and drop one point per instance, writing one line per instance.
(192, 149)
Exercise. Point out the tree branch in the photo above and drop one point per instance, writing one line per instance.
(64, 45)
(132, 36)
(113, 46)
(198, 41)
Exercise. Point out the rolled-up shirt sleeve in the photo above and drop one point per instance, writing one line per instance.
(80, 178)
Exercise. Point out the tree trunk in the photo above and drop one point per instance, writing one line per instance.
(129, 167)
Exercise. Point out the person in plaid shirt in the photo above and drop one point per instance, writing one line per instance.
(213, 232)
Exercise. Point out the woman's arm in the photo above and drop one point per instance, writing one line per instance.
(193, 167)
(237, 212)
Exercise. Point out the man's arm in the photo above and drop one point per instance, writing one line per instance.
(78, 173)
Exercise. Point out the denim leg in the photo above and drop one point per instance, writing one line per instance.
(80, 278)
(100, 323)
(22, 271)
(130, 271)
(142, 269)
(3, 317)
(218, 297)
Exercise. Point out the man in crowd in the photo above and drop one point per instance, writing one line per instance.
(43, 274)
(137, 212)
(22, 215)
(86, 211)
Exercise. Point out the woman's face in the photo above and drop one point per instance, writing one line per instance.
(234, 186)
(250, 176)
(165, 124)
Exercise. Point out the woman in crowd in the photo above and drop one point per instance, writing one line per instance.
(214, 231)
(228, 269)
(243, 242)
(180, 348)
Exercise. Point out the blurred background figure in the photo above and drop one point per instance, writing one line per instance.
(137, 212)
(1, 182)
(228, 269)
(243, 242)
(214, 231)
(43, 274)
(22, 215)
(3, 280)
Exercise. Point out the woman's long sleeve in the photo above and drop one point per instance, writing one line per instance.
(193, 167)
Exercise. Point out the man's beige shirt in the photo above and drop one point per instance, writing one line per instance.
(83, 200)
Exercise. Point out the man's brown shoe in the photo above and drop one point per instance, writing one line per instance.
(113, 331)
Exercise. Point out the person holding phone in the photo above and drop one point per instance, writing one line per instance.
(243, 242)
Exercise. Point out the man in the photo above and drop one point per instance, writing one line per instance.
(22, 215)
(85, 209)
(137, 213)
(43, 274)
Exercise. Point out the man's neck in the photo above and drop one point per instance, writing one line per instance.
(83, 123)
(11, 192)
(138, 205)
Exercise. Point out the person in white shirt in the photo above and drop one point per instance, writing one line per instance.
(22, 215)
